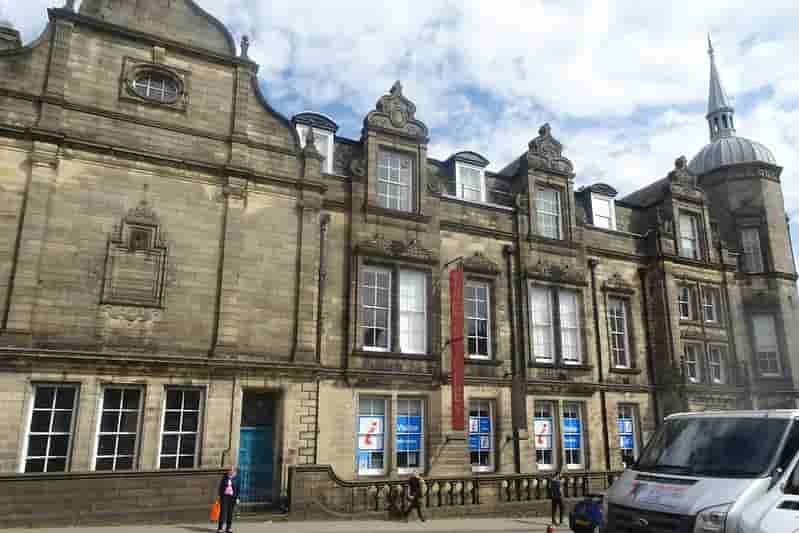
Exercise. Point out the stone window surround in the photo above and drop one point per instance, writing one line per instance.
(635, 410)
(394, 266)
(390, 470)
(718, 308)
(763, 264)
(491, 281)
(724, 362)
(493, 403)
(779, 325)
(703, 362)
(416, 185)
(554, 405)
(696, 215)
(31, 390)
(611, 206)
(561, 193)
(581, 412)
(582, 320)
(697, 288)
(459, 165)
(633, 366)
(139, 421)
(699, 353)
(132, 68)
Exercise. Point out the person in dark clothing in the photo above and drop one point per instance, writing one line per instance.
(228, 499)
(415, 495)
(556, 495)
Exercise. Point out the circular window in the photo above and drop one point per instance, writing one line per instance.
(157, 87)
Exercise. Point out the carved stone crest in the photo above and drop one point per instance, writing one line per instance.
(480, 263)
(616, 283)
(411, 250)
(127, 326)
(681, 175)
(395, 112)
(546, 152)
(556, 273)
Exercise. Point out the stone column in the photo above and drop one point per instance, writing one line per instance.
(230, 307)
(18, 319)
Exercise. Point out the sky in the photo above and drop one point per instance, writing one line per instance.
(624, 84)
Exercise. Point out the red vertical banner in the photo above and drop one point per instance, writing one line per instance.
(456, 347)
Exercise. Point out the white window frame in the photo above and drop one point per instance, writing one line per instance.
(761, 346)
(689, 233)
(540, 407)
(541, 213)
(385, 450)
(460, 186)
(396, 433)
(543, 326)
(374, 307)
(577, 357)
(711, 305)
(385, 169)
(694, 349)
(325, 148)
(614, 321)
(198, 434)
(50, 433)
(681, 301)
(752, 251)
(99, 433)
(478, 286)
(719, 365)
(595, 198)
(578, 409)
(406, 336)
(484, 405)
(626, 412)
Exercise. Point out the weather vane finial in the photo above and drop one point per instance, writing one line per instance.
(709, 45)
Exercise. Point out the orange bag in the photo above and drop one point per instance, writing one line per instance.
(216, 508)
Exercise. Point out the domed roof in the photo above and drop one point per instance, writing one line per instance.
(729, 151)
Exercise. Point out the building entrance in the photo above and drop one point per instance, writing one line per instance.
(257, 447)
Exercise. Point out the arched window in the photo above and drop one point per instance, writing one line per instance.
(157, 86)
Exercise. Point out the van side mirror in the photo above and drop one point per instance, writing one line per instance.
(775, 477)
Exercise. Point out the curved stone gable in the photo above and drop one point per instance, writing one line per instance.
(176, 20)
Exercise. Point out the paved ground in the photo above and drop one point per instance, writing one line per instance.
(471, 525)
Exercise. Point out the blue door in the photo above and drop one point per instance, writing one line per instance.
(256, 448)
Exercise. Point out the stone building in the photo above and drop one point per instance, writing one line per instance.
(190, 279)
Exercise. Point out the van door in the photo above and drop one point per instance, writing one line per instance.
(783, 517)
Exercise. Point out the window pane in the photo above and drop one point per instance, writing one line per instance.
(542, 325)
(104, 464)
(191, 400)
(50, 428)
(131, 399)
(44, 397)
(570, 326)
(548, 212)
(65, 398)
(58, 445)
(413, 306)
(112, 399)
(40, 421)
(106, 445)
(34, 465)
(37, 446)
(170, 444)
(61, 421)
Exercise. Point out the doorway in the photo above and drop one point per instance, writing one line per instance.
(257, 447)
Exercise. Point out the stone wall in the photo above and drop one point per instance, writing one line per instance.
(85, 499)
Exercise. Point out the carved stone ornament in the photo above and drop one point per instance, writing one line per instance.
(127, 326)
(546, 153)
(310, 149)
(395, 112)
(480, 263)
(664, 222)
(556, 273)
(616, 283)
(410, 250)
(358, 167)
(681, 175)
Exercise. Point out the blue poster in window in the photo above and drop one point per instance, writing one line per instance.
(571, 442)
(626, 442)
(571, 425)
(363, 461)
(474, 443)
(485, 442)
(409, 424)
(409, 443)
(625, 426)
(485, 425)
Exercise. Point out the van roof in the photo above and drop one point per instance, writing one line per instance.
(765, 413)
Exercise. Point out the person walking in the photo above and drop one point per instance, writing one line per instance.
(415, 495)
(556, 495)
(228, 499)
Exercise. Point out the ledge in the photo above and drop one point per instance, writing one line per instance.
(630, 371)
(394, 355)
(483, 362)
(559, 366)
(395, 213)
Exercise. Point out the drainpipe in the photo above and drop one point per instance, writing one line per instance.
(220, 272)
(518, 393)
(592, 263)
(316, 426)
(650, 360)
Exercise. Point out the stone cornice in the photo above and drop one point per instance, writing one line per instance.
(460, 227)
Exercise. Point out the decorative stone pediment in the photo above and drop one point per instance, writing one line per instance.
(411, 250)
(395, 113)
(617, 284)
(683, 182)
(556, 273)
(479, 263)
(546, 152)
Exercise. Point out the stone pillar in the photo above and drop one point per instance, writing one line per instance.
(51, 117)
(230, 308)
(310, 232)
(239, 150)
(23, 291)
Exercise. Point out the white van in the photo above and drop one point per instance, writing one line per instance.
(778, 510)
(701, 471)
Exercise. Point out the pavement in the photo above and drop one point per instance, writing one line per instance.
(465, 525)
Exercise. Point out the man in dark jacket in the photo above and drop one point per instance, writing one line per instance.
(415, 495)
(556, 495)
(228, 498)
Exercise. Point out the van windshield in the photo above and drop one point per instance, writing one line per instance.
(714, 447)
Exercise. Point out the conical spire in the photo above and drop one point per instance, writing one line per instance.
(719, 109)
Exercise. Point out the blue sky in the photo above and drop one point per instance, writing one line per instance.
(623, 83)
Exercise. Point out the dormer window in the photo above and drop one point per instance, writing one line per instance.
(324, 144)
(470, 182)
(603, 214)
